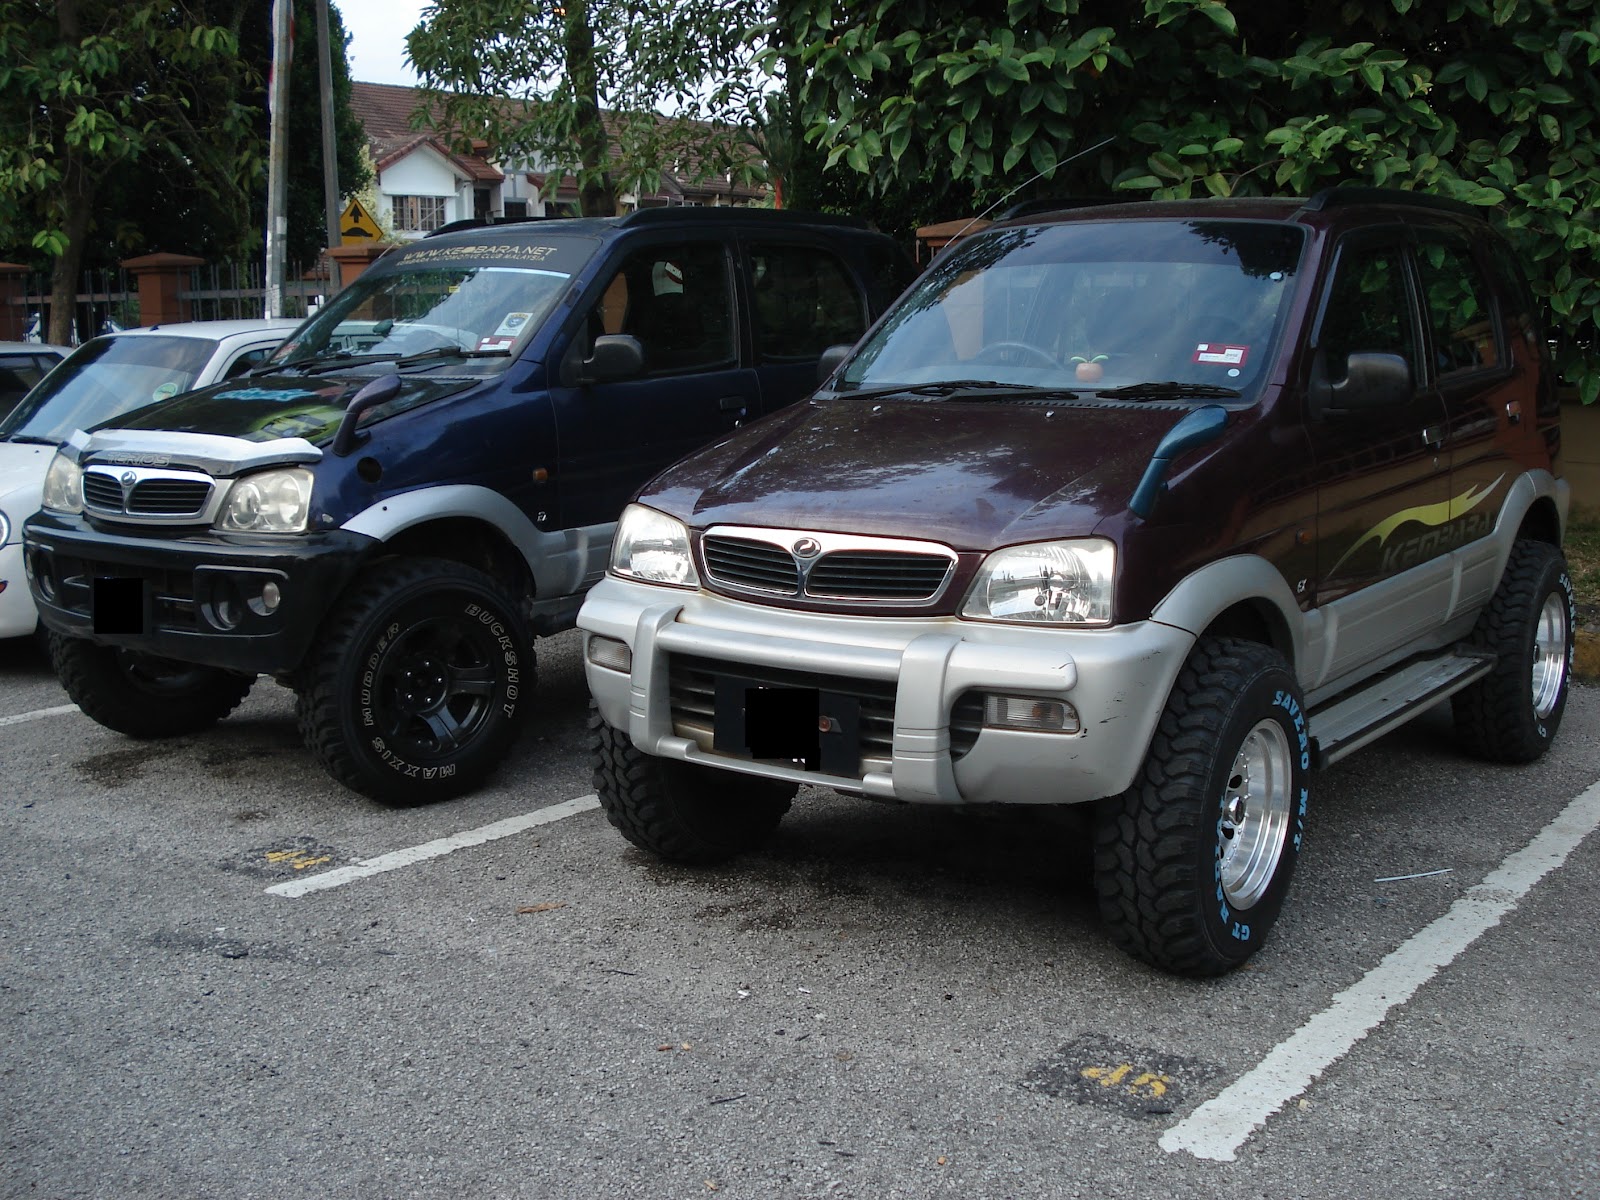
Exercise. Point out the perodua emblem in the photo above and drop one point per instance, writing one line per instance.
(129, 478)
(807, 548)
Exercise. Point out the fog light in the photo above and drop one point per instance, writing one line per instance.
(271, 596)
(1031, 713)
(610, 654)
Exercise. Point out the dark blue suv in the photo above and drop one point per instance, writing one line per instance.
(426, 475)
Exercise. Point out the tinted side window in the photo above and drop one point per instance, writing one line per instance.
(1369, 308)
(804, 301)
(245, 361)
(1457, 300)
(677, 301)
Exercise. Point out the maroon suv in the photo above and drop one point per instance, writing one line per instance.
(1154, 507)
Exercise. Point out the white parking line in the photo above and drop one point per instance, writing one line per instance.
(1220, 1126)
(460, 841)
(38, 713)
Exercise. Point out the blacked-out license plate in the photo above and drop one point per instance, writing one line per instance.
(119, 605)
(788, 724)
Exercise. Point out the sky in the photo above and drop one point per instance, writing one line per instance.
(377, 30)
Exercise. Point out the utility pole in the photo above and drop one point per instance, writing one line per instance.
(330, 160)
(278, 153)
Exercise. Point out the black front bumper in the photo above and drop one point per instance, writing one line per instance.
(198, 597)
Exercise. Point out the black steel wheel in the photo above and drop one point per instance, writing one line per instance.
(417, 685)
(677, 811)
(142, 695)
(1192, 863)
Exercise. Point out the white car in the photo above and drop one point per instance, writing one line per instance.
(23, 364)
(105, 378)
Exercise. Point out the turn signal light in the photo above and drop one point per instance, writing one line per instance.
(1030, 713)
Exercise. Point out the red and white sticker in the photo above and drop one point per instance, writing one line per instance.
(1223, 355)
(496, 343)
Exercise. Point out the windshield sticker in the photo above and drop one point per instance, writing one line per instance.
(277, 395)
(496, 343)
(512, 325)
(479, 255)
(165, 392)
(1221, 354)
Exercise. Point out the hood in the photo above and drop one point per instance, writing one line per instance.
(970, 474)
(22, 468)
(277, 406)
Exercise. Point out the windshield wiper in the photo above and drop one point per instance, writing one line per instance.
(322, 364)
(29, 440)
(967, 389)
(1170, 390)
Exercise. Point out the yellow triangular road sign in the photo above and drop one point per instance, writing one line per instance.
(356, 222)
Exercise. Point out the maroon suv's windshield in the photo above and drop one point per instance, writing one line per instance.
(1091, 307)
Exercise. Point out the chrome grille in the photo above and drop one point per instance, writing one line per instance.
(878, 575)
(826, 566)
(147, 493)
(746, 563)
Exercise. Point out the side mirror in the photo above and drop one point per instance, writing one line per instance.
(1371, 380)
(830, 360)
(615, 356)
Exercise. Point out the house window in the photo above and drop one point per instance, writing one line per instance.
(516, 208)
(418, 214)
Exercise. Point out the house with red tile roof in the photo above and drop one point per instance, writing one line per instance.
(421, 183)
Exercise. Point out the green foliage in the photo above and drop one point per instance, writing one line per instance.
(1493, 102)
(530, 78)
(91, 88)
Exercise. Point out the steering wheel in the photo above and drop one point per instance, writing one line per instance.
(1002, 352)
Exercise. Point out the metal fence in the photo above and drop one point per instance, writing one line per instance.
(108, 300)
(221, 291)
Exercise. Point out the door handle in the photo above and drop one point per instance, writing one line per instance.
(732, 403)
(1433, 437)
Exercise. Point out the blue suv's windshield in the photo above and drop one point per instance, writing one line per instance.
(1159, 308)
(468, 302)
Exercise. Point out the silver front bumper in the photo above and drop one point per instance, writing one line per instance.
(1117, 679)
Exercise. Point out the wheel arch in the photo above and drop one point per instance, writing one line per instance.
(472, 542)
(1243, 596)
(557, 563)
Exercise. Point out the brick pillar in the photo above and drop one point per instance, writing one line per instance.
(13, 312)
(355, 257)
(162, 278)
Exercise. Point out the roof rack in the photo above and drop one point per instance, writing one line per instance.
(717, 213)
(1045, 204)
(1337, 197)
(481, 222)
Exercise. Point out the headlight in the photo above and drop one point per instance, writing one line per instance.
(268, 502)
(63, 485)
(5, 530)
(1057, 583)
(653, 547)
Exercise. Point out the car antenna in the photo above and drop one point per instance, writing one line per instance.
(1032, 179)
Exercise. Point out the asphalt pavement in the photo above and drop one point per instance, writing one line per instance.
(498, 997)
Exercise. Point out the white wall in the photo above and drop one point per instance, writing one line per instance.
(424, 172)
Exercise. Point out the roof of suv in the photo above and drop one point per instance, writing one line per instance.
(521, 228)
(1357, 200)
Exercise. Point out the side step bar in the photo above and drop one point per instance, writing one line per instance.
(1348, 723)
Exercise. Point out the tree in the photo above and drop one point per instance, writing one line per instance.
(1494, 102)
(577, 85)
(88, 87)
(308, 235)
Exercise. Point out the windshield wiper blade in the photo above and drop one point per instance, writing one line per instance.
(449, 352)
(967, 389)
(28, 439)
(1172, 389)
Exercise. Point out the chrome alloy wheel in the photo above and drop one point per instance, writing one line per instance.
(1256, 809)
(1550, 644)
